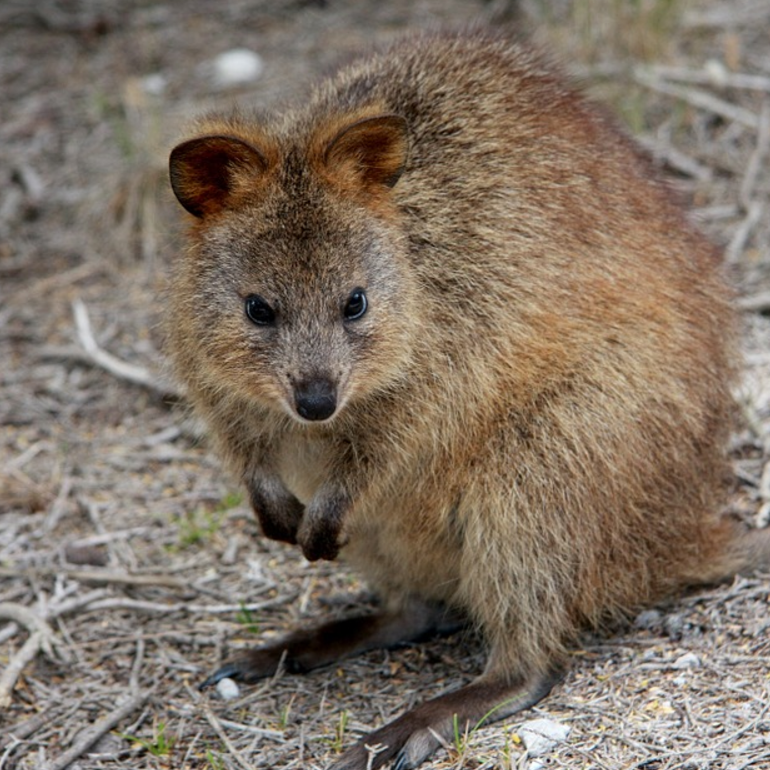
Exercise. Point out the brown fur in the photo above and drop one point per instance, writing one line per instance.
(531, 416)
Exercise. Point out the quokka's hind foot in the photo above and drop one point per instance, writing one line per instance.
(411, 738)
(312, 648)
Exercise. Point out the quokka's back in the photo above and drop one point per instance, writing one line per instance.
(444, 318)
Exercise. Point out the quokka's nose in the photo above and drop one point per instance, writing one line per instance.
(315, 399)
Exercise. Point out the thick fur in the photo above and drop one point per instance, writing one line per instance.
(533, 412)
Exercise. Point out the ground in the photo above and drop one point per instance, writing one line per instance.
(129, 564)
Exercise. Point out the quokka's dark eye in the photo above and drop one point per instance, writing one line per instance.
(258, 311)
(356, 305)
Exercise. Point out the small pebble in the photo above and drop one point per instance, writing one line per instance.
(236, 67)
(674, 626)
(717, 72)
(539, 736)
(688, 660)
(649, 620)
(154, 84)
(228, 689)
(762, 519)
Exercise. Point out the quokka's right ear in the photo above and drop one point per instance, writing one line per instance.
(205, 172)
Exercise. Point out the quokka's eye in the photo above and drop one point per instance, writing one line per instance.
(258, 311)
(356, 305)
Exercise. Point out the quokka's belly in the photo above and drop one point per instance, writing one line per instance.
(399, 548)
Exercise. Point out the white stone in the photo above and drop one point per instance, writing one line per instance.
(649, 619)
(236, 67)
(154, 84)
(717, 72)
(762, 519)
(688, 660)
(541, 735)
(228, 689)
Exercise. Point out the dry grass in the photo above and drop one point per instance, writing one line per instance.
(128, 564)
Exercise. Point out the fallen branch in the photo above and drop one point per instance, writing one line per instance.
(758, 303)
(743, 232)
(27, 618)
(700, 99)
(22, 730)
(719, 77)
(101, 576)
(92, 734)
(55, 282)
(731, 738)
(77, 602)
(58, 506)
(29, 650)
(123, 578)
(676, 159)
(41, 639)
(729, 15)
(133, 682)
(211, 718)
(757, 159)
(137, 605)
(120, 369)
(261, 731)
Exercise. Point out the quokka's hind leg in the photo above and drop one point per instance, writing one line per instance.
(414, 736)
(304, 650)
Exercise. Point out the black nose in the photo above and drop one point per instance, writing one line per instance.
(315, 399)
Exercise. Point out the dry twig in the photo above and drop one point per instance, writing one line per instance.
(700, 99)
(735, 248)
(99, 728)
(676, 159)
(41, 639)
(757, 159)
(120, 369)
(29, 650)
(212, 719)
(719, 77)
(137, 605)
(99, 576)
(757, 303)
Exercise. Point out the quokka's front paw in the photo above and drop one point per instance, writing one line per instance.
(283, 529)
(320, 533)
(319, 540)
(279, 513)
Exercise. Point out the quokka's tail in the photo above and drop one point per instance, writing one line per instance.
(745, 551)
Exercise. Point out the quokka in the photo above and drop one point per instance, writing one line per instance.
(444, 322)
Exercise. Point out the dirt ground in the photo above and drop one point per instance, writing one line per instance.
(129, 565)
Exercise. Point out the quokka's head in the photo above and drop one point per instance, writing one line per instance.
(295, 293)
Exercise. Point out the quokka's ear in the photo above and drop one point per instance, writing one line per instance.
(204, 171)
(374, 150)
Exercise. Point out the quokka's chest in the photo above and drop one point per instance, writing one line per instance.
(303, 464)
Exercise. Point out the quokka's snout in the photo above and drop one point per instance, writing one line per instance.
(315, 398)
